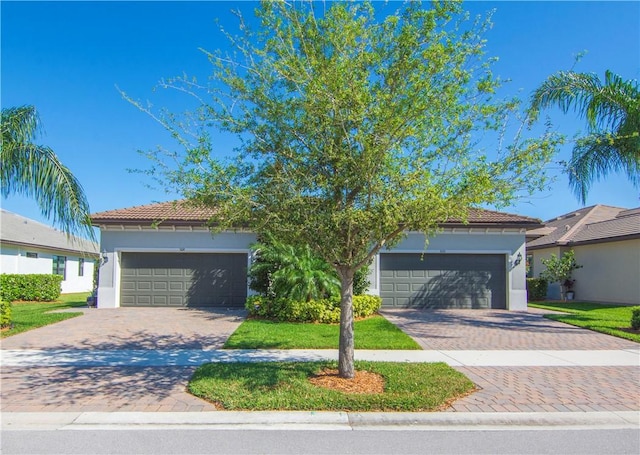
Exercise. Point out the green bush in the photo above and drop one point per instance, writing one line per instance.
(537, 288)
(325, 311)
(635, 318)
(33, 288)
(5, 314)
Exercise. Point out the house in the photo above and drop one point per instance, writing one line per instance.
(606, 242)
(27, 247)
(164, 255)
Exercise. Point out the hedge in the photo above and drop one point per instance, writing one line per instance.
(36, 288)
(537, 288)
(5, 314)
(324, 311)
(635, 318)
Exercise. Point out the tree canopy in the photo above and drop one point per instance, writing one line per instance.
(354, 129)
(35, 171)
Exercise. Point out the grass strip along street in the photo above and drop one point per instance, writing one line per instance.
(289, 386)
(31, 315)
(610, 319)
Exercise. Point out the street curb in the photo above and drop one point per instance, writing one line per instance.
(226, 420)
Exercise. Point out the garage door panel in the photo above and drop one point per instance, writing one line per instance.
(183, 279)
(443, 280)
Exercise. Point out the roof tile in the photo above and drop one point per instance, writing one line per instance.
(185, 213)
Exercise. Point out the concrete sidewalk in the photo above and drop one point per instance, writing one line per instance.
(192, 357)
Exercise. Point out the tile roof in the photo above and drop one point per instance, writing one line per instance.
(16, 229)
(169, 212)
(591, 224)
(181, 212)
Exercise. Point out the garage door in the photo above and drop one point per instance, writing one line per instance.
(178, 279)
(443, 280)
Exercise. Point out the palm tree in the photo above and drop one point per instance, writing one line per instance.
(292, 272)
(35, 171)
(612, 111)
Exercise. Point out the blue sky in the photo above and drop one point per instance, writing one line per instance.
(66, 58)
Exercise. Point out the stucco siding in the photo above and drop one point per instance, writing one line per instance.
(610, 272)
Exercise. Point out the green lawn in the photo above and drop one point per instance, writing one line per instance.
(371, 333)
(31, 315)
(286, 386)
(609, 319)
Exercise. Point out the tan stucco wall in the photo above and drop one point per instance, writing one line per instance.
(610, 273)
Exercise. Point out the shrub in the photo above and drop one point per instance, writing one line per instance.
(635, 318)
(537, 288)
(5, 314)
(325, 311)
(37, 288)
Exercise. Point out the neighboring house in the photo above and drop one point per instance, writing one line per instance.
(27, 246)
(164, 255)
(606, 241)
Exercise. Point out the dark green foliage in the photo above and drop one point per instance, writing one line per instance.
(635, 319)
(323, 310)
(537, 289)
(292, 272)
(33, 287)
(5, 314)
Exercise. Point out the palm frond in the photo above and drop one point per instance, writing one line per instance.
(35, 171)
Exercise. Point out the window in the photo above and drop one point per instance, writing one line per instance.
(32, 255)
(81, 267)
(529, 265)
(59, 266)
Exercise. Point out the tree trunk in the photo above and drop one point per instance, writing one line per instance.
(346, 350)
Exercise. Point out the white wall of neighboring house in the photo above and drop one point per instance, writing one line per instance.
(14, 260)
(610, 272)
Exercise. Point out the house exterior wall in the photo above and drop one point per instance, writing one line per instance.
(471, 241)
(610, 272)
(114, 242)
(13, 259)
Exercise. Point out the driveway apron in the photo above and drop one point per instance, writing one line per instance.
(115, 388)
(526, 388)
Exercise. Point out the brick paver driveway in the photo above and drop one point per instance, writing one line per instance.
(526, 389)
(104, 388)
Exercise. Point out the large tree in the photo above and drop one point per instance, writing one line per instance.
(612, 111)
(354, 129)
(35, 171)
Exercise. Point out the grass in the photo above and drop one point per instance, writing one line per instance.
(371, 333)
(286, 386)
(609, 319)
(31, 315)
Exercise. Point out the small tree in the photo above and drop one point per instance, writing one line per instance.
(354, 129)
(560, 270)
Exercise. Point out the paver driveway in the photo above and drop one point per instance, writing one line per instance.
(115, 388)
(531, 388)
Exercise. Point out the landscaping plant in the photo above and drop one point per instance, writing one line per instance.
(560, 269)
